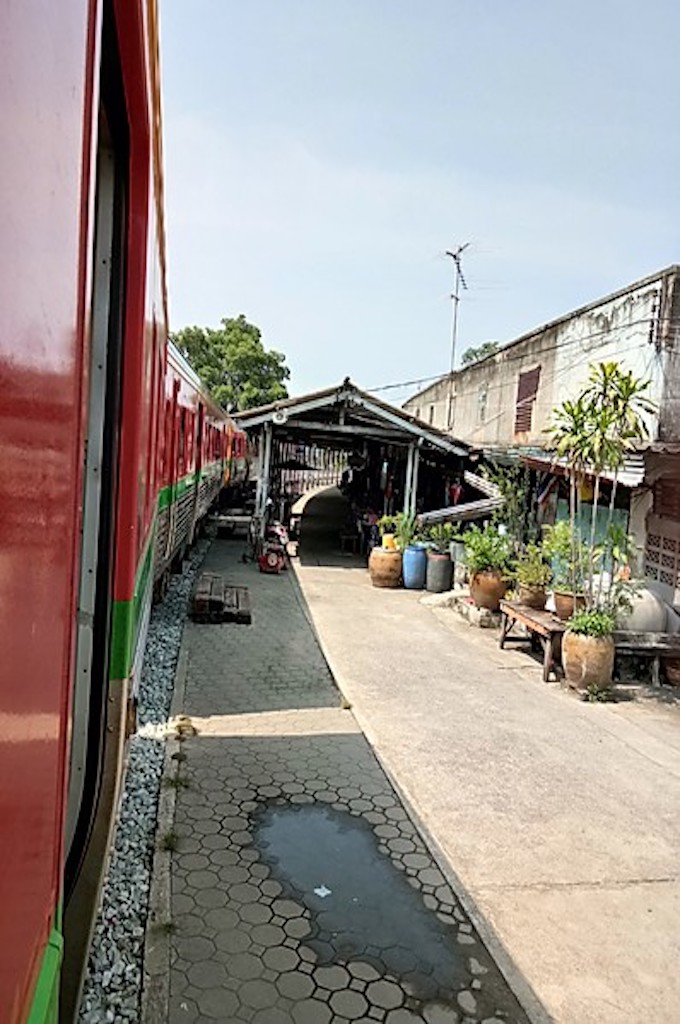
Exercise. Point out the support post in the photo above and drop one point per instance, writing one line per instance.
(266, 470)
(409, 479)
(414, 480)
(260, 472)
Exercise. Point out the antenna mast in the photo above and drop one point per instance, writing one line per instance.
(459, 281)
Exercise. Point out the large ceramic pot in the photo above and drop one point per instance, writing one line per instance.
(532, 597)
(587, 660)
(487, 589)
(439, 572)
(647, 613)
(566, 603)
(384, 567)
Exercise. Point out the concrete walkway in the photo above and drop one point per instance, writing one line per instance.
(559, 819)
(300, 890)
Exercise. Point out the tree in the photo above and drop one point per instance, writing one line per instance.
(473, 355)
(234, 364)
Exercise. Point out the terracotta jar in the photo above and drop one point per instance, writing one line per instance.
(384, 567)
(487, 589)
(587, 660)
(532, 597)
(566, 603)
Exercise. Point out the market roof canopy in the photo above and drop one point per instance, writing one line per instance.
(342, 415)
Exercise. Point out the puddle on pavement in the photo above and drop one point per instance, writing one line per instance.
(371, 914)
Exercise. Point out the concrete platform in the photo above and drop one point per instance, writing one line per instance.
(560, 820)
(297, 887)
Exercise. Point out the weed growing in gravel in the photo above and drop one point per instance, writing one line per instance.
(179, 756)
(176, 782)
(599, 695)
(170, 841)
(166, 927)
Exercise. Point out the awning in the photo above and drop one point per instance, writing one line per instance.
(631, 474)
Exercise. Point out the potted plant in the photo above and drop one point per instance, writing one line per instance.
(532, 575)
(488, 560)
(384, 563)
(594, 433)
(567, 558)
(588, 649)
(414, 552)
(439, 565)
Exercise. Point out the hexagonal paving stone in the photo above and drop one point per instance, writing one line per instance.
(298, 928)
(221, 918)
(348, 1004)
(311, 1011)
(363, 971)
(245, 966)
(207, 974)
(244, 892)
(403, 1017)
(295, 985)
(255, 913)
(272, 1015)
(280, 959)
(268, 934)
(195, 949)
(287, 908)
(233, 941)
(333, 978)
(218, 1004)
(385, 993)
(258, 993)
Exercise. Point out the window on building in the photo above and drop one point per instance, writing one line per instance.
(431, 416)
(527, 388)
(418, 412)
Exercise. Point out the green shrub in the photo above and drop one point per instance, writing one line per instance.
(592, 623)
(486, 550)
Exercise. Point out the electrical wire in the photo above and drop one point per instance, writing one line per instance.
(649, 322)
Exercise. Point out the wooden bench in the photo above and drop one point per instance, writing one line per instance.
(541, 625)
(213, 601)
(237, 605)
(649, 645)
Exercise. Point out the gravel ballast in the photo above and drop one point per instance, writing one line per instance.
(113, 981)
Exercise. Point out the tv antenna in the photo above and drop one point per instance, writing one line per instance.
(459, 282)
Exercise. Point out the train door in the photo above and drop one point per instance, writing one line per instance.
(94, 611)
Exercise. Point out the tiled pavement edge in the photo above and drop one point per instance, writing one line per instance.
(275, 754)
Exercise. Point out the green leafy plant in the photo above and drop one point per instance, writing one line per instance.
(599, 695)
(407, 530)
(591, 622)
(440, 537)
(514, 484)
(593, 434)
(487, 550)
(387, 524)
(531, 568)
(566, 554)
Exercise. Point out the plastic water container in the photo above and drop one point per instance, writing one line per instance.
(414, 567)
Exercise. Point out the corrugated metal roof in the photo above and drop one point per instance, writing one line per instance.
(480, 509)
(349, 396)
(631, 474)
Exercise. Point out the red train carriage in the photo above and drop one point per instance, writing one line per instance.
(193, 446)
(106, 442)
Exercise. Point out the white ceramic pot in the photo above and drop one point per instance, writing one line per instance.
(648, 614)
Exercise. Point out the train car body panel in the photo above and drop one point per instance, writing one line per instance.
(45, 207)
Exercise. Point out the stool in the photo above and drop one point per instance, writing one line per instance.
(349, 542)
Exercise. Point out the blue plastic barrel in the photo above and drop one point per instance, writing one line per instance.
(414, 567)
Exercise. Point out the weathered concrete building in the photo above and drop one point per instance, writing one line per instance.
(504, 402)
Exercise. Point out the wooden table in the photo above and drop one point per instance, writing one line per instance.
(649, 645)
(541, 625)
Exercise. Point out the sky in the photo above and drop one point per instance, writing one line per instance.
(320, 158)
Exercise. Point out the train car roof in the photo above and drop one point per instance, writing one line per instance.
(186, 370)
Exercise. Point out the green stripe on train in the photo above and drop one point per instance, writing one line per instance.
(167, 495)
(127, 616)
(45, 1006)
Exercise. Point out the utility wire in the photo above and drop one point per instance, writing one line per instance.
(649, 322)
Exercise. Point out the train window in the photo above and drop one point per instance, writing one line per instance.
(182, 433)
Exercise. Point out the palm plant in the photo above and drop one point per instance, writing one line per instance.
(593, 434)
